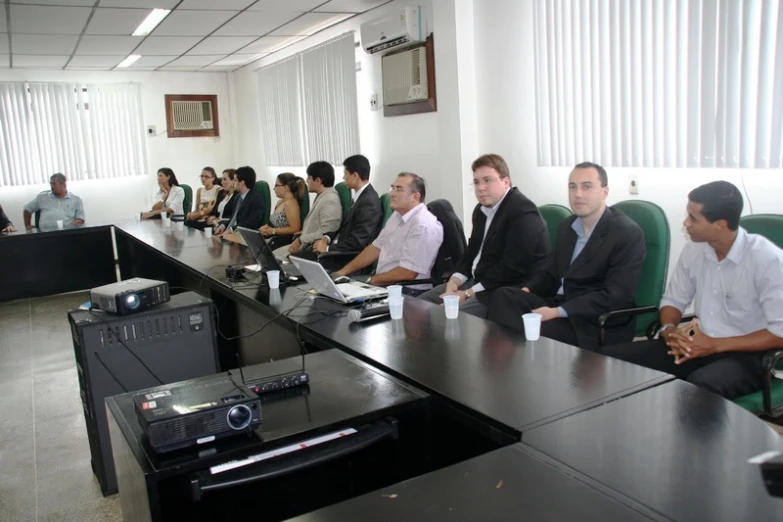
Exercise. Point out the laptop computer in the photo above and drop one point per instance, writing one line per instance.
(350, 292)
(264, 255)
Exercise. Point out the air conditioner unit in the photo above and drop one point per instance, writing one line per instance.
(192, 115)
(405, 77)
(406, 26)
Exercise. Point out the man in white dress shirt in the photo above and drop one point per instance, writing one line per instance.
(408, 244)
(735, 281)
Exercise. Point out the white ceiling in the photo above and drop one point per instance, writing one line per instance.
(198, 35)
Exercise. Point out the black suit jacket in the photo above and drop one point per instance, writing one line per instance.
(516, 246)
(362, 224)
(4, 221)
(252, 211)
(603, 277)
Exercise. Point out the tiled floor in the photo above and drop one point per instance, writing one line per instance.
(45, 469)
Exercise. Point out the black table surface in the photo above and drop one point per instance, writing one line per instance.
(474, 363)
(478, 365)
(675, 448)
(511, 483)
(342, 390)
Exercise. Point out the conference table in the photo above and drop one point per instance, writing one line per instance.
(547, 419)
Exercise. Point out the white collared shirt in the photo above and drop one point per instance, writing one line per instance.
(737, 296)
(490, 213)
(357, 193)
(411, 241)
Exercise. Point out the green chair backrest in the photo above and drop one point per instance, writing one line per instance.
(188, 201)
(652, 220)
(387, 210)
(304, 207)
(345, 197)
(263, 188)
(553, 215)
(767, 225)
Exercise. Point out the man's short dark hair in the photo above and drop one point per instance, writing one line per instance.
(601, 171)
(719, 200)
(58, 177)
(248, 175)
(417, 184)
(358, 164)
(493, 161)
(321, 170)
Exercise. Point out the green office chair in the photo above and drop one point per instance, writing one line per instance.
(769, 399)
(387, 210)
(304, 207)
(554, 215)
(263, 188)
(652, 220)
(188, 201)
(345, 197)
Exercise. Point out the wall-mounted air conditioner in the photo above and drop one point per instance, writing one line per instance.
(409, 25)
(405, 77)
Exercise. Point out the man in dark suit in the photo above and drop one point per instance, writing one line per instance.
(5, 223)
(362, 224)
(596, 266)
(509, 242)
(250, 210)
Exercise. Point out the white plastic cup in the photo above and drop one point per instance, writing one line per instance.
(138, 216)
(395, 307)
(60, 224)
(208, 231)
(164, 215)
(394, 291)
(180, 225)
(273, 276)
(165, 219)
(532, 326)
(451, 304)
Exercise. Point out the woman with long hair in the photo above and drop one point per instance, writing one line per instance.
(285, 220)
(206, 196)
(169, 197)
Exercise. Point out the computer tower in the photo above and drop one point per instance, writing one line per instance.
(172, 342)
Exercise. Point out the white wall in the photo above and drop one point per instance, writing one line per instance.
(401, 143)
(111, 200)
(504, 60)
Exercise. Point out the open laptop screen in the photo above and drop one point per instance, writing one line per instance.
(260, 249)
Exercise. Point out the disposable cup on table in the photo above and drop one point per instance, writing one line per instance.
(532, 324)
(395, 307)
(273, 277)
(451, 304)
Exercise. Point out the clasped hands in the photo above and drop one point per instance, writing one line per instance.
(689, 342)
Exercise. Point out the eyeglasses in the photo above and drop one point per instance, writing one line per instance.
(279, 185)
(482, 182)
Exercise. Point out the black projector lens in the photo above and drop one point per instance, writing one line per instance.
(239, 417)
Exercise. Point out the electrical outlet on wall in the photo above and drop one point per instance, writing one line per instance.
(151, 130)
(633, 184)
(374, 106)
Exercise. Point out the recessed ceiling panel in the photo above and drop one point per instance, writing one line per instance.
(116, 21)
(192, 23)
(36, 19)
(116, 45)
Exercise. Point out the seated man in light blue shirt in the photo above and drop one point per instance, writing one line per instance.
(55, 205)
(735, 282)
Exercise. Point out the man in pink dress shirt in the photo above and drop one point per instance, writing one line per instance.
(407, 246)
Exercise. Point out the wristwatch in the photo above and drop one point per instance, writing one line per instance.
(274, 231)
(664, 327)
(468, 294)
(369, 280)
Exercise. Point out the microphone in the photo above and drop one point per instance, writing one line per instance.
(368, 314)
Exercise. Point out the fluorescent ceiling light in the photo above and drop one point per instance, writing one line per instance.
(151, 22)
(129, 60)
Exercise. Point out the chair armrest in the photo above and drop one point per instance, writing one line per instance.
(338, 255)
(652, 330)
(626, 312)
(768, 364)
